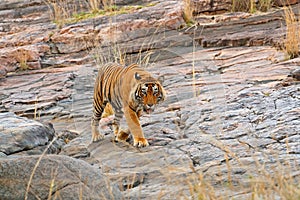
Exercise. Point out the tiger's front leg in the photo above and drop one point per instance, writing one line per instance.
(96, 135)
(135, 128)
(97, 113)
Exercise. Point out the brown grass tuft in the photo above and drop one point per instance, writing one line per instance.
(188, 11)
(292, 33)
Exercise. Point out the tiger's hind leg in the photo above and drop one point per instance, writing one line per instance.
(98, 108)
(120, 134)
(123, 135)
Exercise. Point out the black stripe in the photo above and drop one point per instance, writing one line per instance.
(132, 108)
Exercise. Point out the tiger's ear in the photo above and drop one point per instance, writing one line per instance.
(137, 76)
(162, 93)
(161, 79)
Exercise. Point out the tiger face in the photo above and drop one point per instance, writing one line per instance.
(148, 93)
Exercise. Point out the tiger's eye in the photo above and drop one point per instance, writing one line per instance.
(144, 91)
(155, 89)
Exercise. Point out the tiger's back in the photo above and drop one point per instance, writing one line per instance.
(130, 91)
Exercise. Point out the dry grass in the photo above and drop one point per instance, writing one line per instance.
(265, 5)
(22, 56)
(237, 6)
(36, 166)
(60, 11)
(113, 54)
(94, 5)
(292, 39)
(118, 52)
(276, 182)
(188, 11)
(119, 55)
(244, 6)
(108, 5)
(199, 188)
(64, 12)
(279, 180)
(251, 6)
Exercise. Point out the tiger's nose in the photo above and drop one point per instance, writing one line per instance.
(149, 108)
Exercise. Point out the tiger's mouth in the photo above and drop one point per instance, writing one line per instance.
(148, 109)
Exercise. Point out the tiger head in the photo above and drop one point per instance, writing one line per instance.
(148, 93)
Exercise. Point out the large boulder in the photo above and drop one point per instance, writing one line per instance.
(52, 177)
(19, 134)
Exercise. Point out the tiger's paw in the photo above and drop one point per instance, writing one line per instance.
(96, 137)
(140, 142)
(122, 136)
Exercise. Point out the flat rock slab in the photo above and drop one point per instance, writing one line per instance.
(27, 98)
(57, 177)
(242, 30)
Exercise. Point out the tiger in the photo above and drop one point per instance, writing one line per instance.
(127, 90)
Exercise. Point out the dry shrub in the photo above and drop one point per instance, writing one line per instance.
(22, 56)
(188, 11)
(292, 33)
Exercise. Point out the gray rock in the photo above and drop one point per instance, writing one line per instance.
(296, 74)
(21, 134)
(54, 177)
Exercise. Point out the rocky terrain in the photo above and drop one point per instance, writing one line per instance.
(229, 128)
